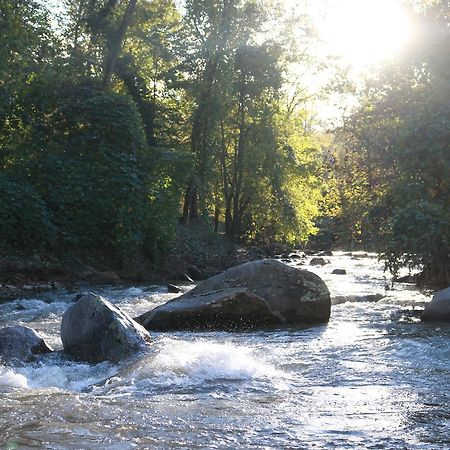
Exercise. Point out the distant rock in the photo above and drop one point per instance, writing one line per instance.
(326, 253)
(338, 300)
(21, 344)
(299, 296)
(94, 330)
(173, 289)
(37, 287)
(438, 309)
(358, 255)
(255, 254)
(57, 285)
(339, 272)
(319, 262)
(407, 279)
(233, 309)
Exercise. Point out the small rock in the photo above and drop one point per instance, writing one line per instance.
(319, 262)
(339, 272)
(172, 289)
(57, 285)
(339, 299)
(21, 344)
(360, 255)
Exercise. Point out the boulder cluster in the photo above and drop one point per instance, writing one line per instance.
(262, 294)
(256, 295)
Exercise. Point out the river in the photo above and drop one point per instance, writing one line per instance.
(374, 377)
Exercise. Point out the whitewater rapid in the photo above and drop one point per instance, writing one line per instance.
(375, 377)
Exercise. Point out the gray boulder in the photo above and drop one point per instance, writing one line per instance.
(94, 330)
(234, 309)
(299, 296)
(21, 344)
(438, 309)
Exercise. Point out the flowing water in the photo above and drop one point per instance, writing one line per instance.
(373, 378)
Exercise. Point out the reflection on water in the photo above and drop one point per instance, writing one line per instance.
(374, 378)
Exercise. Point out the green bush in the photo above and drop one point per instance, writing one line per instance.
(419, 238)
(24, 218)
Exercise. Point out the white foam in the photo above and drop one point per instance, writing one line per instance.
(11, 379)
(66, 376)
(195, 362)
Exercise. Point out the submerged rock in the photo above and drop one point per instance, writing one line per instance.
(438, 309)
(21, 344)
(228, 309)
(94, 330)
(295, 296)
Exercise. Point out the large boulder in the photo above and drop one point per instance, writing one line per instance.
(21, 344)
(299, 296)
(94, 330)
(229, 309)
(438, 310)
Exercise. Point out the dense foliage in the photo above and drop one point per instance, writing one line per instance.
(124, 122)
(392, 159)
(121, 118)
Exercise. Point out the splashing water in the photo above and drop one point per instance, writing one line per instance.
(374, 377)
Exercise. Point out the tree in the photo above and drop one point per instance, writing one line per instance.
(398, 140)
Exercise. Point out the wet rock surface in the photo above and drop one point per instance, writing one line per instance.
(229, 309)
(21, 344)
(94, 330)
(438, 309)
(298, 296)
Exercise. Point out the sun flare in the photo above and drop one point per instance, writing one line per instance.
(365, 32)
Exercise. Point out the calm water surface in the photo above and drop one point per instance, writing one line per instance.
(373, 378)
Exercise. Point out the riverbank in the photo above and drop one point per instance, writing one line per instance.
(194, 254)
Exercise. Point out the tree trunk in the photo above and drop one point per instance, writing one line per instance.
(116, 44)
(239, 168)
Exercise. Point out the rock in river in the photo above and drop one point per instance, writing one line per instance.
(295, 296)
(228, 309)
(438, 310)
(94, 330)
(21, 344)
